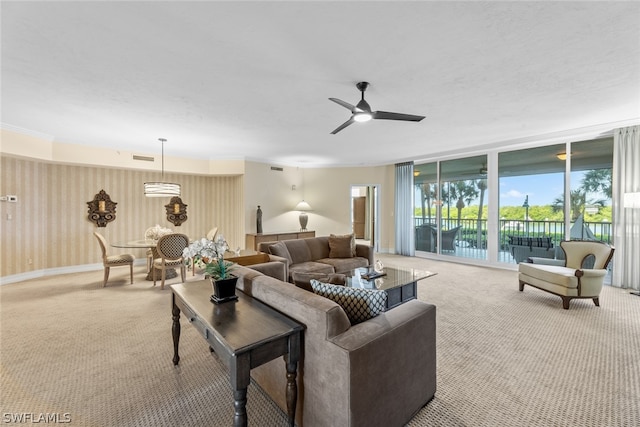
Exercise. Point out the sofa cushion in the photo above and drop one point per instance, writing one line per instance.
(310, 267)
(342, 265)
(359, 304)
(299, 250)
(303, 279)
(280, 249)
(535, 242)
(561, 276)
(342, 246)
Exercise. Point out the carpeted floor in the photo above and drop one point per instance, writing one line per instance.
(102, 356)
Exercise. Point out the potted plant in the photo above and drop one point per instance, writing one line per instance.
(211, 254)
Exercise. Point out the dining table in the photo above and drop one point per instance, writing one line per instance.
(147, 244)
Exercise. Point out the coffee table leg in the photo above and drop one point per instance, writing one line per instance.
(175, 330)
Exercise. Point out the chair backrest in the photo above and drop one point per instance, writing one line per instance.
(103, 244)
(212, 233)
(576, 251)
(170, 246)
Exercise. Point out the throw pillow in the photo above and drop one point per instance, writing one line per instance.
(358, 304)
(342, 246)
(280, 249)
(303, 280)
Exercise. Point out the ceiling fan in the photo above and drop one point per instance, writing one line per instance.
(362, 112)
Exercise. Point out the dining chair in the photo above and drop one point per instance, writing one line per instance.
(170, 248)
(211, 235)
(109, 261)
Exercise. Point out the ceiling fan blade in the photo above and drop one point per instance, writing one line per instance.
(342, 126)
(385, 115)
(344, 104)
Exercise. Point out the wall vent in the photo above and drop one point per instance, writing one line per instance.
(143, 158)
(275, 168)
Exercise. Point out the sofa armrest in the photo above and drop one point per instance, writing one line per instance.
(273, 268)
(545, 261)
(365, 251)
(392, 361)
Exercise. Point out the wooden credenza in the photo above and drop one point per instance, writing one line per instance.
(252, 240)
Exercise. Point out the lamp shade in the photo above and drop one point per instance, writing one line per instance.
(161, 189)
(303, 206)
(631, 200)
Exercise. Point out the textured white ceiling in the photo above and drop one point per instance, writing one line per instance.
(251, 79)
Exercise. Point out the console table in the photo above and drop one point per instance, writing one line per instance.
(252, 240)
(245, 334)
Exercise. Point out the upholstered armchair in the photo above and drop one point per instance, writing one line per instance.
(569, 278)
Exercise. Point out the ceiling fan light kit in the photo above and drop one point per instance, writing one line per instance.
(362, 111)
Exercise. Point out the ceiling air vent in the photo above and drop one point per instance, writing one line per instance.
(275, 168)
(144, 158)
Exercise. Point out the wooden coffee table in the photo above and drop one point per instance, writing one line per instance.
(400, 284)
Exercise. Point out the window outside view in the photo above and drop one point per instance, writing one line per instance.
(531, 194)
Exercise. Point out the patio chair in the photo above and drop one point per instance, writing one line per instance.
(449, 239)
(109, 261)
(569, 278)
(426, 238)
(170, 248)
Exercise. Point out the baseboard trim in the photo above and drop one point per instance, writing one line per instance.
(21, 277)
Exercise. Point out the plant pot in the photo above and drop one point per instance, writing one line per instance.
(224, 290)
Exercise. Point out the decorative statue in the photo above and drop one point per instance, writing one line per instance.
(259, 220)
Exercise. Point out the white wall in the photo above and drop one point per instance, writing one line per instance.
(327, 190)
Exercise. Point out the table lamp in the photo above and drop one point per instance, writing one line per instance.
(302, 207)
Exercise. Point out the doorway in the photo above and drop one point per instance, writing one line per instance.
(364, 214)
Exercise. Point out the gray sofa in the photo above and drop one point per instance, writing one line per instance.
(376, 373)
(523, 247)
(315, 255)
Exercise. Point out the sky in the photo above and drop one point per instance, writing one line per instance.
(541, 189)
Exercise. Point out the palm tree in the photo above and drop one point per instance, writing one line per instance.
(427, 196)
(482, 186)
(464, 192)
(577, 200)
(597, 181)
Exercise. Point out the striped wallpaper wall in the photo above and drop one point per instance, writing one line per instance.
(49, 227)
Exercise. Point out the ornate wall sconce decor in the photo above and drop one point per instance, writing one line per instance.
(176, 211)
(101, 209)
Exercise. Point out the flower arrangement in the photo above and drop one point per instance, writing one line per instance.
(210, 254)
(154, 233)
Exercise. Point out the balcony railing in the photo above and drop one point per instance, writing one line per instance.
(473, 233)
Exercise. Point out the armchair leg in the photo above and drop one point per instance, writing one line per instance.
(596, 301)
(521, 286)
(106, 277)
(131, 272)
(565, 302)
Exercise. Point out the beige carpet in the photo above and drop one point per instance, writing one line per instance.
(505, 358)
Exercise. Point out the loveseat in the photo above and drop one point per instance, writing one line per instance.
(379, 372)
(324, 254)
(524, 247)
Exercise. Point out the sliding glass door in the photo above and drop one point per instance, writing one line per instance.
(544, 195)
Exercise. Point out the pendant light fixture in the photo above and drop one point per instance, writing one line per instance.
(161, 189)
